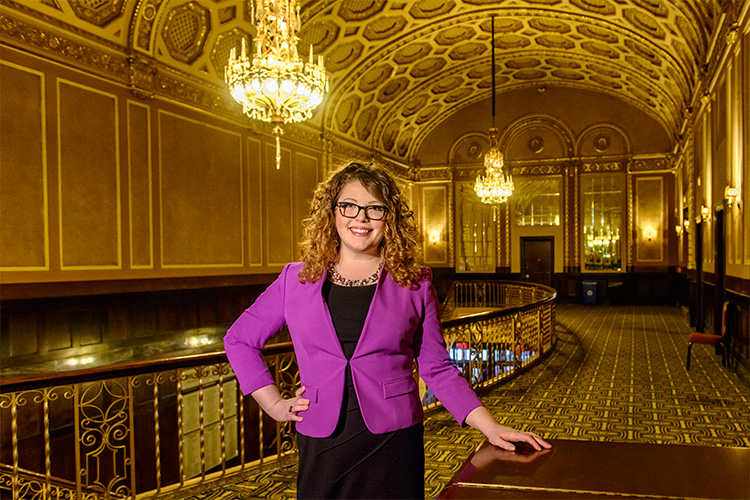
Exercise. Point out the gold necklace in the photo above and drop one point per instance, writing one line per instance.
(340, 280)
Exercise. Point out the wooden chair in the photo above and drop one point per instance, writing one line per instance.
(711, 338)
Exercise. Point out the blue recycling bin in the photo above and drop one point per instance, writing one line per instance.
(589, 293)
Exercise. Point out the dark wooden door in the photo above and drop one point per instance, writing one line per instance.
(538, 259)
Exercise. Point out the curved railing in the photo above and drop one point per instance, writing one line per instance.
(155, 429)
(495, 329)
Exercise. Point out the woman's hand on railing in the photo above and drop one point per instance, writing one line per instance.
(499, 435)
(278, 408)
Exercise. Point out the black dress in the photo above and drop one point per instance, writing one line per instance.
(353, 462)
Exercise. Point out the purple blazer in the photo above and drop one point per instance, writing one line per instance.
(401, 325)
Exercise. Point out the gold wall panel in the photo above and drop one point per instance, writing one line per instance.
(201, 198)
(649, 219)
(139, 179)
(305, 181)
(255, 200)
(89, 178)
(279, 236)
(24, 240)
(434, 205)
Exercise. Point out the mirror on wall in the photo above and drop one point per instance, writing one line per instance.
(601, 204)
(476, 232)
(536, 201)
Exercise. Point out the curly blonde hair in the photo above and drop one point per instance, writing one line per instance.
(400, 246)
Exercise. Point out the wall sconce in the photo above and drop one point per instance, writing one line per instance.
(434, 237)
(686, 225)
(650, 233)
(705, 212)
(730, 194)
(678, 230)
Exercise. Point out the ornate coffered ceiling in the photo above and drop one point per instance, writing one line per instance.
(398, 67)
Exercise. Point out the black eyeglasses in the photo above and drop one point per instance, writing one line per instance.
(351, 210)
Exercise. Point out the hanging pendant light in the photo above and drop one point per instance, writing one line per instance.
(495, 186)
(276, 85)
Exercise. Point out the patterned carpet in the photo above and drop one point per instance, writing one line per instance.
(616, 374)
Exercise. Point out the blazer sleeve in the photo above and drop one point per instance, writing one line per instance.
(435, 366)
(246, 337)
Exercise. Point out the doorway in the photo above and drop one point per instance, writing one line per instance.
(538, 259)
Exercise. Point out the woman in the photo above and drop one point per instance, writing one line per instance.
(360, 309)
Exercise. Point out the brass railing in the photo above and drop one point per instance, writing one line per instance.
(164, 428)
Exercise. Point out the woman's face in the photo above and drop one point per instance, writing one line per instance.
(360, 235)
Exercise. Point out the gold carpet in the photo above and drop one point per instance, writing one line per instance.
(616, 374)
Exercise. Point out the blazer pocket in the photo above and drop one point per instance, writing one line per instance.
(399, 387)
(311, 393)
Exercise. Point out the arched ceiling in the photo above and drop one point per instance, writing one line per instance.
(399, 68)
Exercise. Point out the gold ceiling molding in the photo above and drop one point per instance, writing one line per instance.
(399, 68)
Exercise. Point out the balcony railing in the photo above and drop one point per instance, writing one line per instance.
(163, 428)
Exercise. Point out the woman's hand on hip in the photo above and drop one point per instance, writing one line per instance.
(281, 409)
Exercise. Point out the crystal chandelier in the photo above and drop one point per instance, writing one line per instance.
(276, 85)
(496, 186)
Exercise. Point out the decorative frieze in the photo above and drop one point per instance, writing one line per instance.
(554, 169)
(665, 162)
(606, 166)
(95, 60)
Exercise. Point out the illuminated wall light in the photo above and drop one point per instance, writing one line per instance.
(650, 234)
(678, 230)
(686, 224)
(435, 237)
(705, 212)
(730, 194)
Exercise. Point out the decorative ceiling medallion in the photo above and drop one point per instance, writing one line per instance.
(601, 50)
(602, 143)
(365, 122)
(446, 84)
(559, 62)
(346, 111)
(567, 74)
(509, 42)
(457, 95)
(598, 68)
(392, 89)
(185, 31)
(656, 7)
(319, 35)
(426, 9)
(98, 12)
(547, 25)
(474, 150)
(412, 52)
(372, 79)
(454, 35)
(597, 33)
(645, 23)
(555, 42)
(603, 7)
(467, 51)
(427, 113)
(523, 63)
(357, 10)
(414, 105)
(426, 67)
(606, 82)
(390, 133)
(536, 144)
(343, 55)
(404, 141)
(529, 74)
(384, 27)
